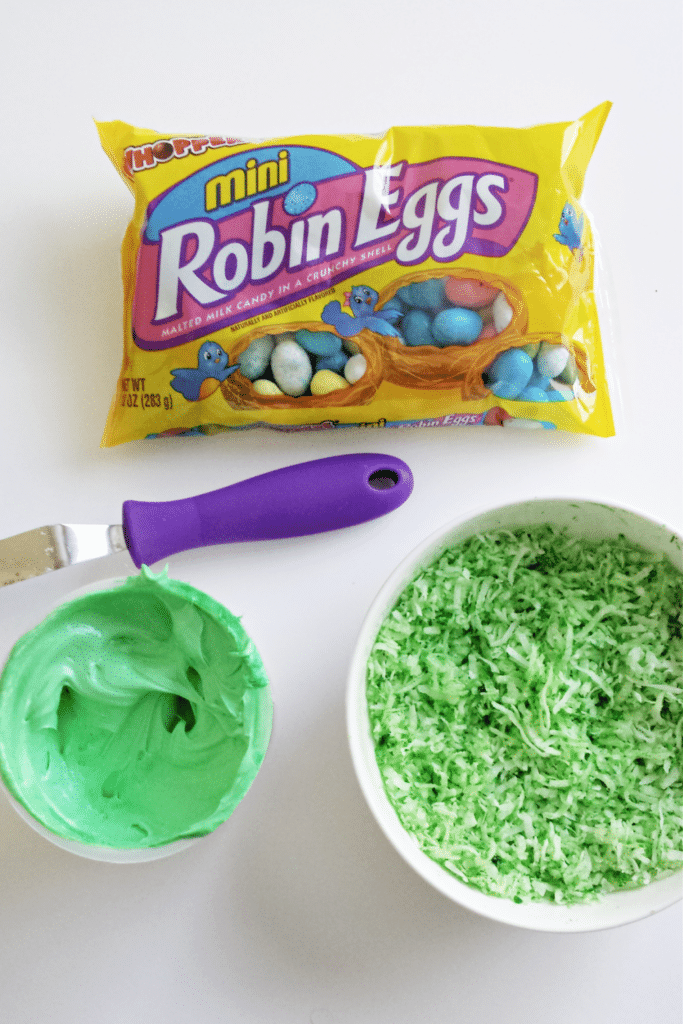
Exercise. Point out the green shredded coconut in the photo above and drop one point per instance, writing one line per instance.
(525, 696)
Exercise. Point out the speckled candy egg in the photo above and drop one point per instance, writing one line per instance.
(530, 394)
(509, 373)
(502, 312)
(473, 294)
(570, 373)
(405, 296)
(428, 295)
(355, 368)
(551, 359)
(266, 387)
(504, 389)
(336, 362)
(291, 368)
(457, 327)
(416, 328)
(256, 357)
(300, 198)
(318, 343)
(325, 382)
(537, 380)
(395, 303)
(521, 424)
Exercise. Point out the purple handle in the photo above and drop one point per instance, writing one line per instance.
(311, 497)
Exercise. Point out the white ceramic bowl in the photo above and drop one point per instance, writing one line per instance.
(90, 851)
(583, 518)
(128, 855)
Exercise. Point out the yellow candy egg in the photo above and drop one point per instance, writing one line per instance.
(266, 387)
(325, 381)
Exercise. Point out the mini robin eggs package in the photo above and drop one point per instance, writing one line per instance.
(422, 277)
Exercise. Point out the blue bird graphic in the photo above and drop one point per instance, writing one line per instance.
(212, 368)
(570, 230)
(362, 300)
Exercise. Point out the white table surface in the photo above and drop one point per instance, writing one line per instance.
(299, 910)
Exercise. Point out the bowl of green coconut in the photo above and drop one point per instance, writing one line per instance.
(515, 714)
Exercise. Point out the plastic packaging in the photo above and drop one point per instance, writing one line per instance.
(427, 276)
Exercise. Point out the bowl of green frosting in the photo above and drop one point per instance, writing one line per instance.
(133, 719)
(515, 714)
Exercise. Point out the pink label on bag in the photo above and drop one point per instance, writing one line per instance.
(246, 241)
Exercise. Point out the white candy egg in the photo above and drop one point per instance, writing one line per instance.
(502, 312)
(355, 368)
(551, 359)
(291, 368)
(521, 424)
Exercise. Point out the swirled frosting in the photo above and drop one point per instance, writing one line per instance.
(134, 716)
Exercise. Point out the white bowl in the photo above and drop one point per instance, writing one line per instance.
(580, 517)
(134, 855)
(91, 851)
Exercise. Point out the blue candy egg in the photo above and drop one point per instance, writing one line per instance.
(416, 328)
(555, 396)
(395, 303)
(318, 343)
(530, 394)
(336, 362)
(300, 198)
(503, 389)
(538, 380)
(428, 295)
(513, 369)
(457, 327)
(405, 295)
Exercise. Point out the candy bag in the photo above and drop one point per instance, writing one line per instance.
(428, 276)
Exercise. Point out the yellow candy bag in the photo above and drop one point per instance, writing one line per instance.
(428, 276)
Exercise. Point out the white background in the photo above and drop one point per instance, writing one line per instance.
(299, 910)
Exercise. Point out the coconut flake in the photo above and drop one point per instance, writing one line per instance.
(526, 704)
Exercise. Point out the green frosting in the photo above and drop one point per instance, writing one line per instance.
(134, 716)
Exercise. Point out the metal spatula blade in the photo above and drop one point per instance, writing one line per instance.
(310, 497)
(53, 547)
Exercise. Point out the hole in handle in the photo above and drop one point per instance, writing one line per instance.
(383, 479)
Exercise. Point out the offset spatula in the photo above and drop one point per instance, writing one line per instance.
(311, 497)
